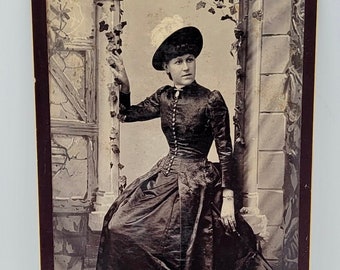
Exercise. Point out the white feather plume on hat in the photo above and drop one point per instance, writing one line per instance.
(172, 38)
(165, 28)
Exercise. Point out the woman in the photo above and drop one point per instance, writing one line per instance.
(164, 219)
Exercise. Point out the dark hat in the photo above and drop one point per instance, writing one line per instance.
(185, 40)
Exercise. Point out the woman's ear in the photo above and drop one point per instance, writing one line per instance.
(165, 67)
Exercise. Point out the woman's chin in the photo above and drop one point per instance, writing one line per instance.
(187, 81)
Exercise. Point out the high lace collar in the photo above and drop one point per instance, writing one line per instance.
(191, 86)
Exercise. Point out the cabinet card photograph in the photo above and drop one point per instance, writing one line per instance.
(174, 134)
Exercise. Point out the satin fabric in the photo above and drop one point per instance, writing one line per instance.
(163, 220)
(201, 117)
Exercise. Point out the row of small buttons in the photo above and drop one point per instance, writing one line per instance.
(173, 128)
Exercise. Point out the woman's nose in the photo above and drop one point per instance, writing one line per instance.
(185, 66)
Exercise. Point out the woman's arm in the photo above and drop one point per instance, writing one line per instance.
(118, 70)
(219, 121)
(145, 110)
(219, 118)
(228, 209)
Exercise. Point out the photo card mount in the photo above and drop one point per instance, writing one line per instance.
(270, 99)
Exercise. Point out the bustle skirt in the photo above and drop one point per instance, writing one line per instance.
(165, 221)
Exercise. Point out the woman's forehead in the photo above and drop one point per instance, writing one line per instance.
(184, 56)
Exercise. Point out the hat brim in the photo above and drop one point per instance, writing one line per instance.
(186, 35)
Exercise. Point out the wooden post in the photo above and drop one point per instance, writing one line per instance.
(252, 106)
(107, 39)
(247, 110)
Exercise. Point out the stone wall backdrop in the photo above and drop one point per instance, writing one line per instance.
(263, 84)
(272, 122)
(269, 102)
(279, 128)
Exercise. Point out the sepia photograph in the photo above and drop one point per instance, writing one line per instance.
(174, 134)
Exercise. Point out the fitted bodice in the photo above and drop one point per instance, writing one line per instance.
(190, 120)
(185, 123)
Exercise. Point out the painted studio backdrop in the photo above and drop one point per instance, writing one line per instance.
(252, 54)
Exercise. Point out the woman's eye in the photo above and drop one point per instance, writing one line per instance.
(178, 62)
(190, 59)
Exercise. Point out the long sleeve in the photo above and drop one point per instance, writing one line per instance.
(145, 110)
(219, 120)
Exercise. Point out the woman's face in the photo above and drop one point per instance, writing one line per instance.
(182, 69)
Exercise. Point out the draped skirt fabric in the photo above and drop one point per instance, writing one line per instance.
(164, 221)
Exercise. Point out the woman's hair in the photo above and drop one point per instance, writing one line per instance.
(173, 51)
(169, 75)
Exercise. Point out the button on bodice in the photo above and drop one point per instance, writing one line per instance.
(190, 124)
(185, 125)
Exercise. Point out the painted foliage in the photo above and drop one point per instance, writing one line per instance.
(76, 29)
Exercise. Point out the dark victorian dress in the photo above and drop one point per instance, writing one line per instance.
(163, 220)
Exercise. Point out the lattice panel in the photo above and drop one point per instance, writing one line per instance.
(67, 85)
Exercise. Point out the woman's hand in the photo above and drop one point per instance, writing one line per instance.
(228, 210)
(118, 70)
